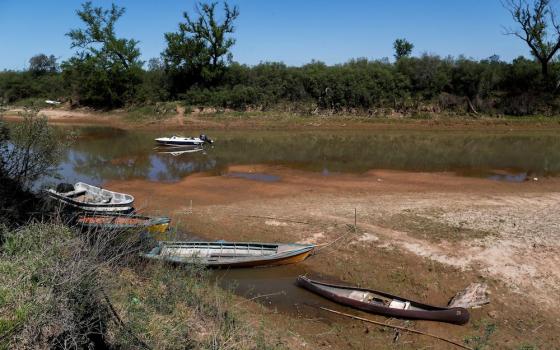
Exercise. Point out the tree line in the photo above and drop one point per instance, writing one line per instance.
(197, 67)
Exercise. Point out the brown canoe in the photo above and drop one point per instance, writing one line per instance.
(382, 303)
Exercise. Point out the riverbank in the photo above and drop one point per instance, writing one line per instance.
(421, 235)
(211, 119)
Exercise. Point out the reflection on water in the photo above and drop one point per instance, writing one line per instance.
(177, 151)
(521, 177)
(101, 154)
(255, 176)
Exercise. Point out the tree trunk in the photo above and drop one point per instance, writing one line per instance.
(544, 68)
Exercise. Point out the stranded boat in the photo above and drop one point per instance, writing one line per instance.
(121, 222)
(183, 141)
(91, 198)
(383, 303)
(230, 254)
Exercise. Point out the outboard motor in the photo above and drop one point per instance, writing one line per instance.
(64, 187)
(205, 138)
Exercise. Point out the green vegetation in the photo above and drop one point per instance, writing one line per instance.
(50, 290)
(28, 150)
(157, 111)
(482, 341)
(61, 290)
(106, 70)
(197, 67)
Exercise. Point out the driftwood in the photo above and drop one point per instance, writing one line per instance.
(121, 323)
(397, 327)
(474, 296)
(471, 106)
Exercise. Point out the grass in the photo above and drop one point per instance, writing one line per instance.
(58, 288)
(431, 229)
(156, 112)
(34, 103)
(481, 341)
(49, 289)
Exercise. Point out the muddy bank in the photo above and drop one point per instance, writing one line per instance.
(285, 121)
(422, 235)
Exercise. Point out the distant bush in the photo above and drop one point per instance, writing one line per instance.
(410, 85)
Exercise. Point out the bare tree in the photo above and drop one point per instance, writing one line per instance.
(536, 19)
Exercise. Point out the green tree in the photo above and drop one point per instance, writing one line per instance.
(536, 21)
(34, 151)
(403, 48)
(106, 70)
(42, 64)
(200, 51)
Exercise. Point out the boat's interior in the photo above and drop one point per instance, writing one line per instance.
(116, 220)
(212, 250)
(370, 297)
(85, 193)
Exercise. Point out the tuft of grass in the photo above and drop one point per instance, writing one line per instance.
(430, 229)
(481, 341)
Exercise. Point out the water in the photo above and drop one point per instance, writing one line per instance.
(102, 154)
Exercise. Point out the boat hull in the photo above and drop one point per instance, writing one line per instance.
(420, 311)
(90, 207)
(290, 254)
(180, 143)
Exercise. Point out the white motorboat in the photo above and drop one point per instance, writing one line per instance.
(183, 141)
(91, 198)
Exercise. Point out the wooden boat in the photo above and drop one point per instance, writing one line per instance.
(230, 254)
(383, 303)
(118, 222)
(183, 141)
(91, 198)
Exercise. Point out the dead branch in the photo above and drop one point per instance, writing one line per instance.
(396, 327)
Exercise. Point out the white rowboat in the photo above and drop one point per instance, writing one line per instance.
(91, 198)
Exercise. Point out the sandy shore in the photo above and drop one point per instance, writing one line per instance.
(422, 235)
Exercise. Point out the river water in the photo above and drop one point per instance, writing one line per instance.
(101, 153)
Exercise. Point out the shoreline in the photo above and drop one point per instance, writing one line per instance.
(429, 234)
(284, 121)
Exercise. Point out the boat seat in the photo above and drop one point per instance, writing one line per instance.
(75, 193)
(397, 304)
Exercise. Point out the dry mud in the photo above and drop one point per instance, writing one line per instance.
(423, 235)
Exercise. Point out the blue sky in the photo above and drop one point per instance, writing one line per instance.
(292, 31)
